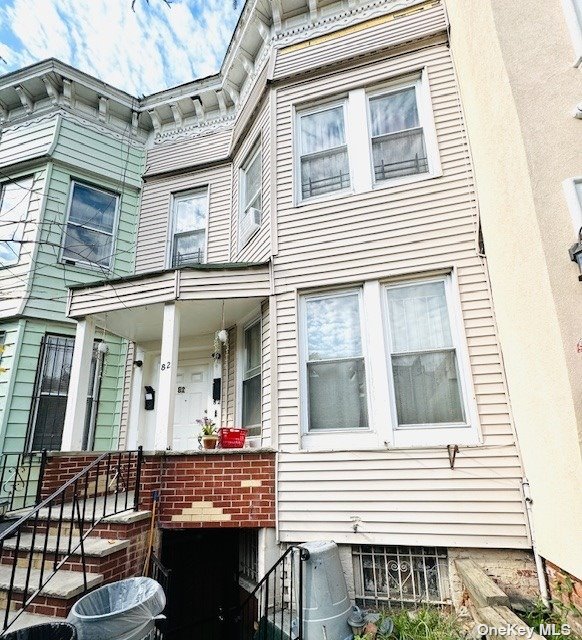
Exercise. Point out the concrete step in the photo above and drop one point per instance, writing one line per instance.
(94, 546)
(26, 619)
(64, 584)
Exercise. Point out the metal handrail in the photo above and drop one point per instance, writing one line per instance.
(19, 483)
(112, 472)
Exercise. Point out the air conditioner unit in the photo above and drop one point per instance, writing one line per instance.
(250, 222)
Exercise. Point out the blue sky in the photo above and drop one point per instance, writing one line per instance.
(144, 51)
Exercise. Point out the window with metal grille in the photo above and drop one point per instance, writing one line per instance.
(51, 392)
(248, 555)
(400, 576)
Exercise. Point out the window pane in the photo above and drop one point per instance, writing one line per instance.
(9, 251)
(252, 348)
(93, 208)
(419, 318)
(324, 172)
(394, 112)
(251, 401)
(427, 388)
(333, 327)
(14, 200)
(190, 213)
(253, 181)
(86, 245)
(189, 248)
(322, 130)
(337, 395)
(400, 154)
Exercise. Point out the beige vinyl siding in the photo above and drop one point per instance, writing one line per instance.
(210, 147)
(154, 223)
(126, 398)
(15, 280)
(184, 284)
(367, 37)
(265, 376)
(258, 247)
(403, 496)
(27, 141)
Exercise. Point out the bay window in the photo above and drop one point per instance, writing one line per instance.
(14, 201)
(323, 151)
(188, 228)
(335, 366)
(90, 229)
(397, 137)
(250, 196)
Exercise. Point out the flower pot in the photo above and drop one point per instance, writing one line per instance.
(209, 442)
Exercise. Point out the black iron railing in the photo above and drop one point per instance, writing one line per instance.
(20, 480)
(37, 545)
(161, 574)
(272, 611)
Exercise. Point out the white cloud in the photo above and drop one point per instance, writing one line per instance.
(140, 52)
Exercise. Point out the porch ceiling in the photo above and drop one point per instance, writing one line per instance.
(198, 317)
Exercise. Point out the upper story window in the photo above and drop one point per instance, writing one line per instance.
(188, 228)
(323, 166)
(251, 375)
(573, 14)
(250, 195)
(398, 146)
(14, 201)
(335, 152)
(334, 360)
(90, 229)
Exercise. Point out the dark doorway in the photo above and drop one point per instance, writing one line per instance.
(204, 582)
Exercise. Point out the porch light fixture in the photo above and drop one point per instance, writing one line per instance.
(575, 252)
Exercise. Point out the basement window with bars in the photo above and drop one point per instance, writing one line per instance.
(400, 576)
(248, 555)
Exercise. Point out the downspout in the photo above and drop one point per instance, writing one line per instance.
(102, 349)
(538, 559)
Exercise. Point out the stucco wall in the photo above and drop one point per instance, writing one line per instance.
(524, 143)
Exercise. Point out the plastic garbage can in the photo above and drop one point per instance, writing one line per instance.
(124, 610)
(45, 631)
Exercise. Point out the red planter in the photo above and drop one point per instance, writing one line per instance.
(231, 438)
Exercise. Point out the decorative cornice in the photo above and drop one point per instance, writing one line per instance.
(194, 130)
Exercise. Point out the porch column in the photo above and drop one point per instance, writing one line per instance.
(166, 393)
(78, 386)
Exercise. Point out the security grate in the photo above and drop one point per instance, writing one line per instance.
(400, 575)
(248, 555)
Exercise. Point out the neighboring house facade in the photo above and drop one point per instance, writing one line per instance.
(71, 159)
(528, 167)
(320, 208)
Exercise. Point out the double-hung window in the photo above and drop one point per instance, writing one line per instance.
(397, 136)
(14, 201)
(334, 360)
(423, 357)
(323, 166)
(188, 228)
(251, 384)
(91, 221)
(250, 195)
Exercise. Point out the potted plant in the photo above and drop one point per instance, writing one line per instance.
(209, 437)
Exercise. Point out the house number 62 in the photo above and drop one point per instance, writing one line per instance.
(165, 365)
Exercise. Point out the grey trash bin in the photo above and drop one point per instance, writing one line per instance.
(45, 631)
(124, 610)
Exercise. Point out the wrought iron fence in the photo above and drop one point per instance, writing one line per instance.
(56, 528)
(20, 479)
(161, 574)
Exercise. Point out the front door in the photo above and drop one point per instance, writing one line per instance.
(193, 398)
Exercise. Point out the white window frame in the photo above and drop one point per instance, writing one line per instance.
(466, 433)
(80, 262)
(177, 195)
(25, 184)
(330, 439)
(256, 151)
(419, 82)
(574, 23)
(245, 323)
(574, 202)
(300, 112)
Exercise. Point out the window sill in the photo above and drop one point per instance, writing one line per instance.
(419, 437)
(326, 197)
(87, 266)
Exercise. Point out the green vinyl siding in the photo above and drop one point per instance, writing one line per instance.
(21, 398)
(9, 355)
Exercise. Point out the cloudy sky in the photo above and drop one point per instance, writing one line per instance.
(141, 52)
